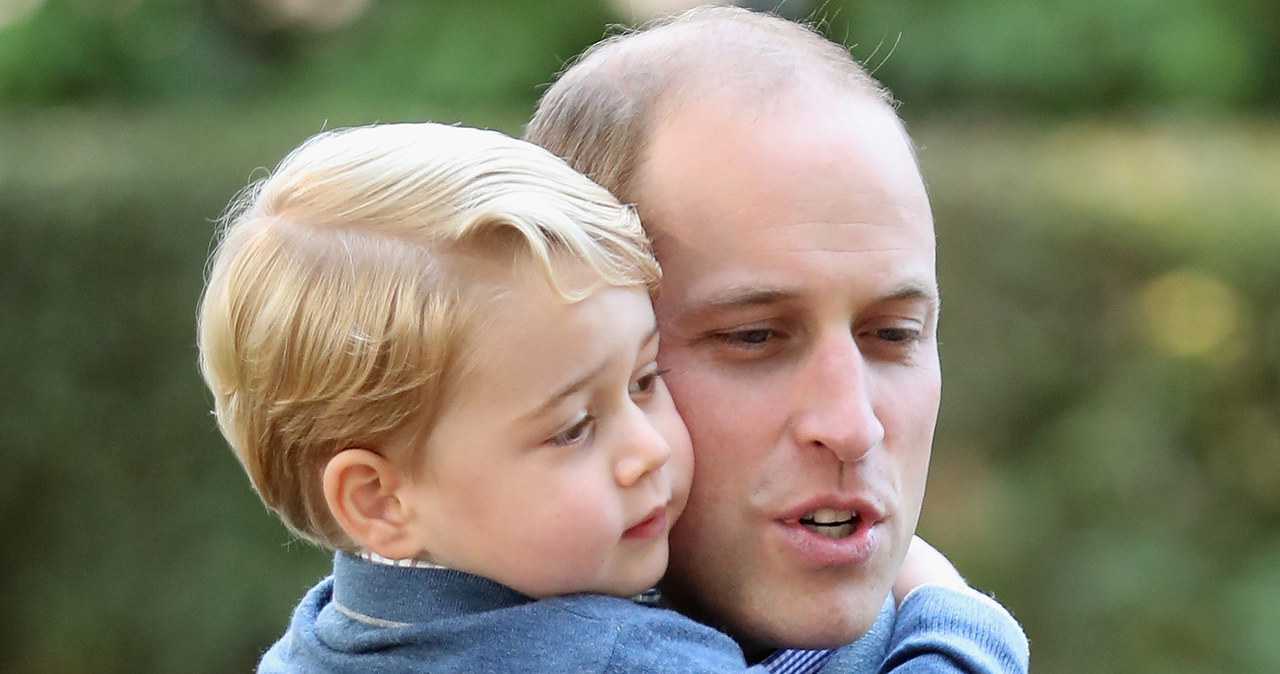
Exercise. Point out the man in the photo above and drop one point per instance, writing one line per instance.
(798, 314)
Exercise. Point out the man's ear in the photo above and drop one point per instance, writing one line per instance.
(361, 488)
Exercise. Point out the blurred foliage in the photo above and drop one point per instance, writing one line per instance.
(1104, 178)
(493, 51)
(1069, 56)
(1108, 457)
(1004, 54)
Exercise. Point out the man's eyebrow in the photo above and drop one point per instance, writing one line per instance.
(916, 292)
(762, 295)
(912, 291)
(747, 296)
(577, 384)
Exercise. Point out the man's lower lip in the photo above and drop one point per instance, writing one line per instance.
(652, 526)
(817, 550)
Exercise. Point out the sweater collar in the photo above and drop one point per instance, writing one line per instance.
(396, 594)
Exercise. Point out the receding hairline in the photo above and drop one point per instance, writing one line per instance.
(725, 50)
(606, 105)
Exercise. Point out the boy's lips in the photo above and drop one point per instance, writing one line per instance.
(654, 524)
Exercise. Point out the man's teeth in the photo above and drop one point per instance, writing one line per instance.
(829, 522)
(828, 516)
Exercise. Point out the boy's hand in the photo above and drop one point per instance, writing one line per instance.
(924, 564)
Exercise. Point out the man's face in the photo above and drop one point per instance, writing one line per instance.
(798, 313)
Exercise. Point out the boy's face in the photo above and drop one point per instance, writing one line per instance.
(562, 463)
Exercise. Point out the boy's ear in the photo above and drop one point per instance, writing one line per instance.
(361, 488)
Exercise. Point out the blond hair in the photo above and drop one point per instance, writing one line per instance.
(601, 111)
(337, 304)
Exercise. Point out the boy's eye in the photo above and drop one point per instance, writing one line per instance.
(646, 383)
(578, 432)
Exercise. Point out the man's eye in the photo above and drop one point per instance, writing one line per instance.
(898, 335)
(748, 337)
(898, 344)
(576, 433)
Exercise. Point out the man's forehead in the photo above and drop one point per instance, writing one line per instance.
(769, 265)
(756, 241)
(743, 150)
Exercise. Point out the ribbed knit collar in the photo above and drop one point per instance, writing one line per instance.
(414, 595)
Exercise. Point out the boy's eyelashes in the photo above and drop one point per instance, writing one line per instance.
(583, 423)
(647, 382)
(578, 430)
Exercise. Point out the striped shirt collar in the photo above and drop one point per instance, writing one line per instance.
(409, 563)
(650, 597)
(797, 661)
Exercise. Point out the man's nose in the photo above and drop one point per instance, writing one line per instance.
(644, 448)
(834, 406)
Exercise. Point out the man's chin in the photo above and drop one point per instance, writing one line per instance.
(819, 628)
(818, 609)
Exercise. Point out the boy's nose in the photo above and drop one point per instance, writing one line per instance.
(644, 448)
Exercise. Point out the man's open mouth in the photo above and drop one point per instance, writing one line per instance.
(830, 523)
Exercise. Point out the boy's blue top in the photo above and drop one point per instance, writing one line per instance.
(370, 617)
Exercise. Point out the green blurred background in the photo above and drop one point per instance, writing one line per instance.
(1106, 180)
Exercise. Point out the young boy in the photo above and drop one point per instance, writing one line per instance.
(433, 350)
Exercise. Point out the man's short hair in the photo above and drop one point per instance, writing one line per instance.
(603, 109)
(338, 301)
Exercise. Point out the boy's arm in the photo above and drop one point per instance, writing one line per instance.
(943, 625)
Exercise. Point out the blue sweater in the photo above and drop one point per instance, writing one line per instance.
(374, 618)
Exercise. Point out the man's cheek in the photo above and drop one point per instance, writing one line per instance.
(699, 394)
